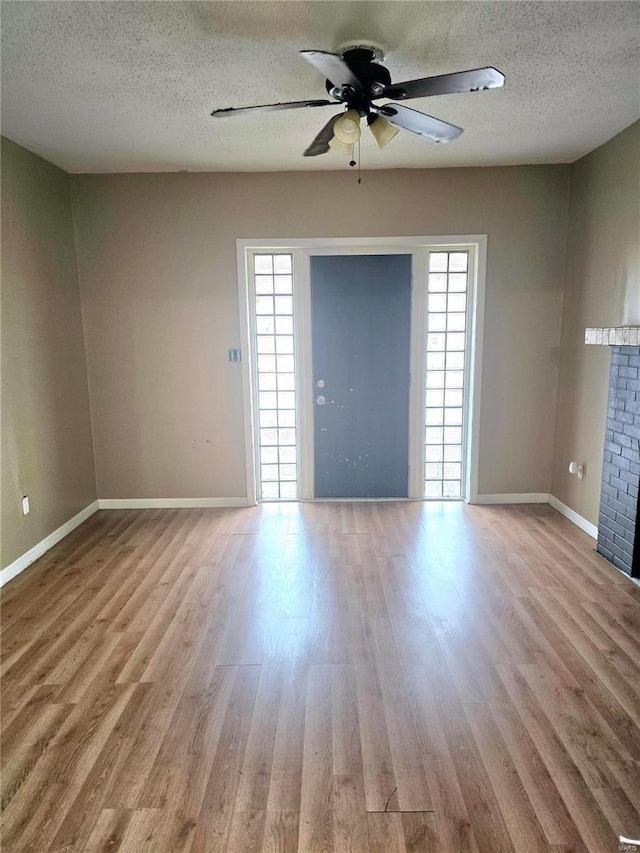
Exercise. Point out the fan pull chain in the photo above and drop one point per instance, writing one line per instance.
(359, 177)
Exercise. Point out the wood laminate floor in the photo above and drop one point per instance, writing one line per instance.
(384, 677)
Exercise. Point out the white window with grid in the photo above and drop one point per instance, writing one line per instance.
(446, 385)
(277, 464)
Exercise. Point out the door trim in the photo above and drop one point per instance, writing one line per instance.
(302, 250)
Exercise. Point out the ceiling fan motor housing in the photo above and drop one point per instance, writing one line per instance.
(373, 76)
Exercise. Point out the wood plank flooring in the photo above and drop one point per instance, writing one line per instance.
(384, 677)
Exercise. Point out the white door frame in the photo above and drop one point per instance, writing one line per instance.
(418, 247)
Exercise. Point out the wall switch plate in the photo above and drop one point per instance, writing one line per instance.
(25, 505)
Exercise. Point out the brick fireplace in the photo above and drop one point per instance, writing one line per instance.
(618, 533)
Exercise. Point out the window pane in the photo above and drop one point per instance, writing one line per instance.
(452, 470)
(266, 343)
(451, 489)
(284, 363)
(284, 325)
(454, 378)
(458, 261)
(269, 455)
(433, 435)
(270, 490)
(286, 436)
(263, 264)
(265, 325)
(452, 453)
(264, 304)
(287, 400)
(453, 417)
(288, 472)
(268, 418)
(283, 263)
(434, 417)
(287, 418)
(433, 489)
(438, 261)
(435, 361)
(283, 284)
(264, 284)
(267, 400)
(455, 360)
(284, 343)
(452, 435)
(284, 304)
(456, 323)
(267, 381)
(269, 472)
(435, 397)
(268, 436)
(457, 302)
(453, 397)
(286, 381)
(455, 341)
(437, 283)
(435, 341)
(437, 322)
(433, 471)
(437, 302)
(433, 453)
(266, 363)
(289, 490)
(287, 454)
(457, 283)
(435, 379)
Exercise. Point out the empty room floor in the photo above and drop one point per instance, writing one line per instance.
(321, 677)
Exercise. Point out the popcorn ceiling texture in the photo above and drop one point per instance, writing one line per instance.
(108, 87)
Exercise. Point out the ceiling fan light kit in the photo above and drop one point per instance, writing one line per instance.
(355, 79)
(381, 130)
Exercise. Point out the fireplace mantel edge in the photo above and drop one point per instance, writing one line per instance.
(617, 336)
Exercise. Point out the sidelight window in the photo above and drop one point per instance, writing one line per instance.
(445, 391)
(275, 372)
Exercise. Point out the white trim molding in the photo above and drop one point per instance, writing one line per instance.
(573, 516)
(170, 503)
(48, 542)
(515, 498)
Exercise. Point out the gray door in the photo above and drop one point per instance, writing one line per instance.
(361, 324)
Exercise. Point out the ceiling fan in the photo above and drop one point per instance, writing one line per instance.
(355, 78)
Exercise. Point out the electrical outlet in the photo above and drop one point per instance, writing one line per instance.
(25, 505)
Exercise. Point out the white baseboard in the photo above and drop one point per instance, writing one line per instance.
(515, 498)
(169, 503)
(573, 516)
(42, 547)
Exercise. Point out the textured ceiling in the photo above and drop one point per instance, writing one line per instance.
(128, 86)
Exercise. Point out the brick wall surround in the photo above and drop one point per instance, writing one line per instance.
(617, 534)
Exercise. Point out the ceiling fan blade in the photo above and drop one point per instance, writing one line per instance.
(289, 105)
(320, 144)
(333, 67)
(421, 123)
(446, 84)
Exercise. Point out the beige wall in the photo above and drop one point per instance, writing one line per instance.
(157, 265)
(602, 289)
(46, 429)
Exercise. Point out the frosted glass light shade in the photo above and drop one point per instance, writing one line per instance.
(341, 147)
(382, 131)
(347, 128)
